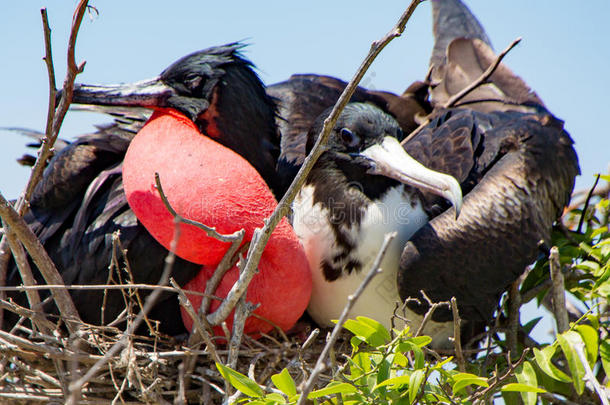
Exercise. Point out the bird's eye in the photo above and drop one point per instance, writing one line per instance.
(349, 138)
(192, 81)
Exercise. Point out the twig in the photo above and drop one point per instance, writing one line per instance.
(498, 380)
(483, 78)
(351, 300)
(558, 292)
(76, 386)
(533, 292)
(457, 339)
(583, 214)
(589, 376)
(429, 313)
(210, 231)
(466, 90)
(51, 135)
(43, 262)
(514, 306)
(126, 286)
(24, 270)
(197, 324)
(260, 238)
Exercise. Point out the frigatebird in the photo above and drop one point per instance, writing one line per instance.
(514, 161)
(515, 164)
(213, 137)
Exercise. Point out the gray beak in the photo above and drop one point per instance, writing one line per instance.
(148, 93)
(391, 160)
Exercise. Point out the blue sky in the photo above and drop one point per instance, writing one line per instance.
(564, 54)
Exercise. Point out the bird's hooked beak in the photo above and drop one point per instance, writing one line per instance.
(147, 93)
(390, 159)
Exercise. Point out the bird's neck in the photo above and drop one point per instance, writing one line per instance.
(241, 116)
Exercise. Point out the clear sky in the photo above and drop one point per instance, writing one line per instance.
(564, 54)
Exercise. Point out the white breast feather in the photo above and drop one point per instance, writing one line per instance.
(394, 212)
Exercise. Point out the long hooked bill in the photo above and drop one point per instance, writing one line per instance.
(390, 159)
(147, 93)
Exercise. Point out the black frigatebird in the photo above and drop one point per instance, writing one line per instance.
(221, 179)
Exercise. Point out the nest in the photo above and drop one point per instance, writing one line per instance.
(41, 367)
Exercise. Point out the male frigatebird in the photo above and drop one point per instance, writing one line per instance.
(212, 117)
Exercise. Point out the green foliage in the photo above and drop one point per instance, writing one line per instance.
(393, 367)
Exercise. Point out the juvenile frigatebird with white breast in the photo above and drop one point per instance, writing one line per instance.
(515, 163)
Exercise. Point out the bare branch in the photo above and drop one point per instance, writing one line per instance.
(558, 292)
(429, 313)
(457, 339)
(583, 214)
(54, 122)
(77, 385)
(589, 376)
(210, 231)
(42, 261)
(466, 90)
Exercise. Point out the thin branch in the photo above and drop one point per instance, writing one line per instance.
(198, 326)
(26, 275)
(583, 214)
(589, 376)
(54, 122)
(43, 262)
(483, 78)
(260, 238)
(76, 386)
(558, 292)
(514, 306)
(433, 307)
(351, 300)
(210, 231)
(468, 89)
(457, 339)
(497, 381)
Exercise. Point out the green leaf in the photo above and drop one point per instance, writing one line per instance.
(463, 380)
(400, 360)
(526, 375)
(240, 382)
(516, 387)
(284, 382)
(421, 341)
(332, 388)
(604, 353)
(415, 382)
(378, 327)
(369, 330)
(568, 341)
(394, 381)
(543, 359)
(273, 399)
(590, 338)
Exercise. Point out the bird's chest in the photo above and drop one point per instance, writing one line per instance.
(341, 250)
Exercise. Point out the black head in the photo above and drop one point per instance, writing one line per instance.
(216, 88)
(364, 151)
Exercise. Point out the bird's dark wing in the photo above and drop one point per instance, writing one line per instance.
(76, 208)
(303, 97)
(517, 171)
(516, 165)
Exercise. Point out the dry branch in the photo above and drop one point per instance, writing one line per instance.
(466, 90)
(558, 292)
